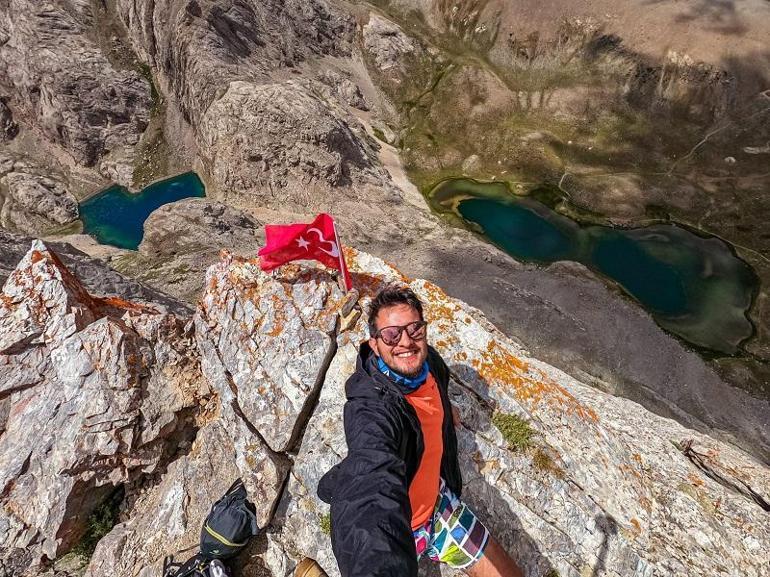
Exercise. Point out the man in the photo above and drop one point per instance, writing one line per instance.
(395, 497)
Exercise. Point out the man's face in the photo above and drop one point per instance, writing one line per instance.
(408, 355)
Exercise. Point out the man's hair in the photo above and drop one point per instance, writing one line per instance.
(391, 295)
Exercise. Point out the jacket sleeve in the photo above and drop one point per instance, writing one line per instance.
(370, 510)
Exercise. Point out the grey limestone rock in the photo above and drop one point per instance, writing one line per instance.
(266, 139)
(34, 202)
(95, 276)
(344, 89)
(60, 82)
(118, 166)
(386, 42)
(264, 342)
(198, 224)
(198, 47)
(99, 392)
(166, 519)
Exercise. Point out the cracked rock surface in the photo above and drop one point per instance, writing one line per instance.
(61, 82)
(97, 391)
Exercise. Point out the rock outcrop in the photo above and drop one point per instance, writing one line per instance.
(344, 89)
(60, 82)
(277, 139)
(196, 225)
(34, 202)
(603, 486)
(94, 275)
(182, 239)
(197, 48)
(97, 392)
(386, 42)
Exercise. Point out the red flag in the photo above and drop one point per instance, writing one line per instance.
(317, 240)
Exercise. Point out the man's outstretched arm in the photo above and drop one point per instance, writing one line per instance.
(370, 511)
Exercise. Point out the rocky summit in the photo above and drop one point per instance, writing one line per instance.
(105, 396)
(136, 385)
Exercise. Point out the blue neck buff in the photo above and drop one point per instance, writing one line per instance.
(409, 383)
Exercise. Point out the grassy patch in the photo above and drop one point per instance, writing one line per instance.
(379, 134)
(99, 523)
(516, 431)
(153, 158)
(146, 72)
(544, 463)
(153, 151)
(325, 522)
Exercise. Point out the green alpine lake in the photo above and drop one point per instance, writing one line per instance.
(116, 216)
(693, 285)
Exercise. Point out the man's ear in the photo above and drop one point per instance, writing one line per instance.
(373, 345)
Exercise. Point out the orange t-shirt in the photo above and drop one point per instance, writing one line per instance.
(423, 491)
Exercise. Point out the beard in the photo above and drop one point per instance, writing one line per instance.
(407, 366)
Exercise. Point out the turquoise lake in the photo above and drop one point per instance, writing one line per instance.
(694, 286)
(116, 216)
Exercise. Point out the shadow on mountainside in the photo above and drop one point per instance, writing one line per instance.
(720, 15)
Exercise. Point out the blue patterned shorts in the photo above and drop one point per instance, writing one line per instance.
(453, 535)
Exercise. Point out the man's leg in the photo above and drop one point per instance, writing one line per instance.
(495, 563)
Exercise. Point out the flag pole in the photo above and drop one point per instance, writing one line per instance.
(343, 264)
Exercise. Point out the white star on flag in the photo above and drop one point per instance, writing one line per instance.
(303, 243)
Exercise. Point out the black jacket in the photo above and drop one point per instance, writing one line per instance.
(369, 490)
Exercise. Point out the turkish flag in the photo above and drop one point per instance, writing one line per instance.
(317, 240)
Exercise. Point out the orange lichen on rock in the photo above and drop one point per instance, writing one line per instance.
(695, 480)
(121, 303)
(351, 256)
(280, 316)
(636, 526)
(499, 366)
(367, 284)
(437, 308)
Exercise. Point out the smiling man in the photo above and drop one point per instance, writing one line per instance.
(396, 496)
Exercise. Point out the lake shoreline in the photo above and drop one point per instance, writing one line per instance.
(543, 235)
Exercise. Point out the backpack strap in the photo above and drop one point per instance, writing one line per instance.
(194, 566)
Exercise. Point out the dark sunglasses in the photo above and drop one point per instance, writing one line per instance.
(392, 335)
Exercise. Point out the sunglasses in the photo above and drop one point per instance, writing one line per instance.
(392, 335)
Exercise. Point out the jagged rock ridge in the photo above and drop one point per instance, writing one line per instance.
(96, 392)
(607, 488)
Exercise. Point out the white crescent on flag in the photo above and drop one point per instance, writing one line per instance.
(334, 252)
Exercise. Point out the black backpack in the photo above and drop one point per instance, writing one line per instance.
(229, 526)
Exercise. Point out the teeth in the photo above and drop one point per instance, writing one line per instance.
(407, 354)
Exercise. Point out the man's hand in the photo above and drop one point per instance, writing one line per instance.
(456, 416)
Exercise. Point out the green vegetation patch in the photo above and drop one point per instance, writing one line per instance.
(543, 462)
(379, 134)
(99, 523)
(146, 72)
(516, 431)
(325, 522)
